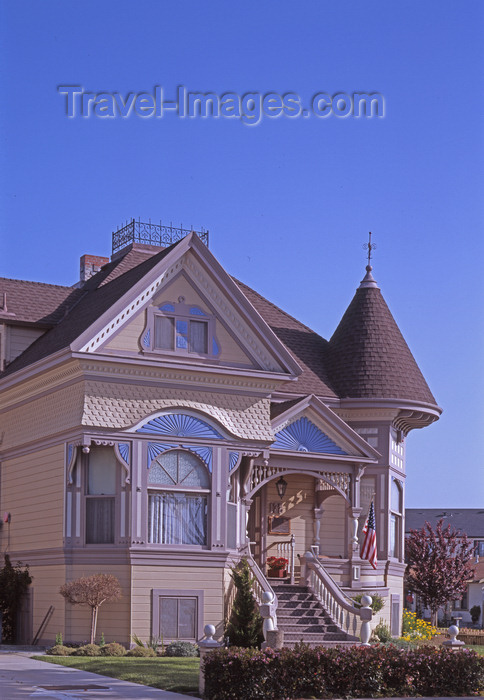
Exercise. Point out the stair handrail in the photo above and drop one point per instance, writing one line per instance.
(261, 588)
(346, 615)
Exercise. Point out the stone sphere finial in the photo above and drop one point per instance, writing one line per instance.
(366, 601)
(209, 631)
(267, 597)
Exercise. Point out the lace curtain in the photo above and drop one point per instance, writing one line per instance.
(177, 518)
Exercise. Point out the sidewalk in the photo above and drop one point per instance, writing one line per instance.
(22, 677)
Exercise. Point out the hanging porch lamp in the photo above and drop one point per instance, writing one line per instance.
(281, 486)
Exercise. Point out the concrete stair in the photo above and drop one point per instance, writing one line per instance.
(303, 619)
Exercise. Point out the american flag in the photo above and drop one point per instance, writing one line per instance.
(368, 548)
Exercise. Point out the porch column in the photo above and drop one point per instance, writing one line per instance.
(244, 535)
(353, 548)
(318, 514)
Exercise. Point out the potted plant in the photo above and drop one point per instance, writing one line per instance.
(277, 567)
(475, 612)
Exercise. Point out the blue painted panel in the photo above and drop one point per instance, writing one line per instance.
(205, 454)
(180, 425)
(233, 459)
(304, 436)
(167, 307)
(156, 448)
(123, 448)
(147, 338)
(195, 311)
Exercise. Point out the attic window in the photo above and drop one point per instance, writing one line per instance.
(180, 328)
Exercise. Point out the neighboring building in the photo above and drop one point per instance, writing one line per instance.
(469, 521)
(148, 413)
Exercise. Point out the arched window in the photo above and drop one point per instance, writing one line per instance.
(178, 489)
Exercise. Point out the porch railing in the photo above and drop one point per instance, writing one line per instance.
(287, 550)
(261, 585)
(353, 620)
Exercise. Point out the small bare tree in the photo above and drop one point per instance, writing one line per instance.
(92, 591)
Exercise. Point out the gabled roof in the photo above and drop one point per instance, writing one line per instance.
(468, 520)
(307, 347)
(368, 356)
(95, 297)
(34, 302)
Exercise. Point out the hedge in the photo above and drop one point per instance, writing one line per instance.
(357, 671)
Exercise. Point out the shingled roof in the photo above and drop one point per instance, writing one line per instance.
(468, 520)
(368, 356)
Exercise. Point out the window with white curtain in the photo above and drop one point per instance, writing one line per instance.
(180, 328)
(100, 496)
(178, 490)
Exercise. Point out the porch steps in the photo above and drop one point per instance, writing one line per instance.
(303, 619)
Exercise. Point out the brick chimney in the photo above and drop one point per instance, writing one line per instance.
(90, 264)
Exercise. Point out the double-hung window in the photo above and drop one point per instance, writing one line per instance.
(396, 512)
(101, 496)
(178, 492)
(180, 328)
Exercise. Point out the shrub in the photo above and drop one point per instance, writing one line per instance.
(381, 633)
(377, 602)
(181, 649)
(141, 651)
(244, 627)
(112, 649)
(60, 650)
(14, 582)
(414, 629)
(357, 671)
(88, 650)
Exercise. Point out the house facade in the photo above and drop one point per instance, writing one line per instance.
(468, 521)
(160, 419)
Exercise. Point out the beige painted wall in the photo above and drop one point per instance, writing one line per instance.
(46, 581)
(146, 578)
(128, 339)
(333, 527)
(113, 618)
(33, 492)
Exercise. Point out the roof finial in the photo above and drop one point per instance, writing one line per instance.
(368, 280)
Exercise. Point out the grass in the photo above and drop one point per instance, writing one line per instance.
(180, 675)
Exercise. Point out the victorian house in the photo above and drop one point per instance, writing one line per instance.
(160, 419)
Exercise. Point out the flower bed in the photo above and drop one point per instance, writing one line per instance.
(358, 671)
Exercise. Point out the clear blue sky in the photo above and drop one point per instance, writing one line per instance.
(288, 202)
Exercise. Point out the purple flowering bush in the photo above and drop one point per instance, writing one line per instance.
(356, 671)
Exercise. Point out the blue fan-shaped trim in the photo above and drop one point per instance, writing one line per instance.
(205, 454)
(215, 347)
(70, 450)
(147, 338)
(167, 307)
(156, 448)
(233, 459)
(123, 448)
(195, 311)
(180, 425)
(304, 436)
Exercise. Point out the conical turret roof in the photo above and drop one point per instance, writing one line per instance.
(368, 356)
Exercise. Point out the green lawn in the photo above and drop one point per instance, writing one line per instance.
(179, 675)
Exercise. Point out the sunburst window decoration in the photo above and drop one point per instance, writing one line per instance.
(304, 436)
(157, 448)
(195, 311)
(147, 339)
(180, 425)
(123, 448)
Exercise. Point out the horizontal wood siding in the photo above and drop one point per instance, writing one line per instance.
(32, 490)
(180, 578)
(333, 527)
(45, 592)
(19, 340)
(113, 619)
(128, 338)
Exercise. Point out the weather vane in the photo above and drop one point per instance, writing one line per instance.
(369, 247)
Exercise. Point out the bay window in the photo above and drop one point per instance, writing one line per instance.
(178, 491)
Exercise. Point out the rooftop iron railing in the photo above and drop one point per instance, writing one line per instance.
(152, 234)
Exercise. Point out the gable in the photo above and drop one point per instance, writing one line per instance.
(308, 425)
(302, 435)
(192, 292)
